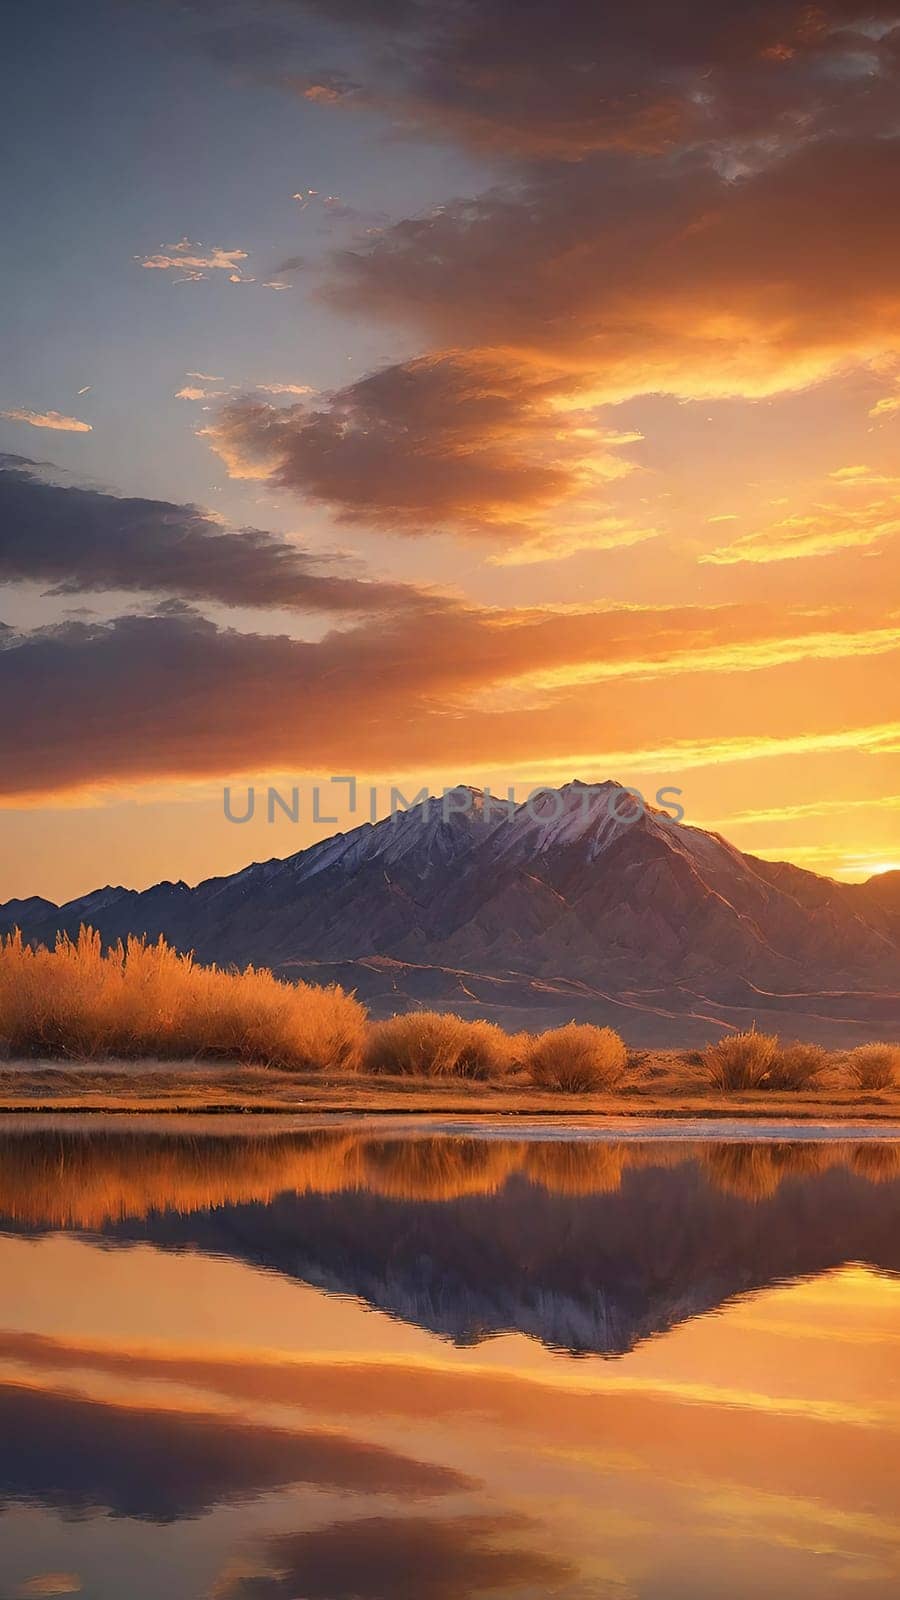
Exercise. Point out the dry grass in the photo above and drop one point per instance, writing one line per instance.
(755, 1170)
(565, 1167)
(143, 1000)
(740, 1060)
(576, 1057)
(85, 1178)
(874, 1066)
(438, 1045)
(796, 1066)
(243, 1036)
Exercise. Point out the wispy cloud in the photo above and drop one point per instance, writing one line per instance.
(284, 388)
(867, 514)
(886, 406)
(47, 419)
(194, 263)
(192, 391)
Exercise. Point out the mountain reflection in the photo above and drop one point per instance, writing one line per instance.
(585, 1245)
(199, 1399)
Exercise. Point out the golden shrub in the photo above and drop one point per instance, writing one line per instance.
(576, 1057)
(146, 1000)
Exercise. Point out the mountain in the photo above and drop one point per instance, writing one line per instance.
(670, 1232)
(555, 909)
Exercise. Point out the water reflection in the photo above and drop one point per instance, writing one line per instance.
(132, 1461)
(410, 1558)
(586, 1245)
(72, 1177)
(201, 1395)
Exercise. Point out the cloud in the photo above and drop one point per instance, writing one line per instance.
(329, 210)
(284, 388)
(653, 278)
(827, 527)
(664, 222)
(480, 445)
(83, 541)
(50, 1583)
(164, 1466)
(191, 391)
(452, 682)
(594, 529)
(588, 284)
(48, 419)
(186, 258)
(564, 82)
(886, 406)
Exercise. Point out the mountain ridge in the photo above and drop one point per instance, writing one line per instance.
(578, 897)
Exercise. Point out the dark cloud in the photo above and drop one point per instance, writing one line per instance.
(450, 437)
(526, 80)
(78, 1455)
(82, 541)
(658, 278)
(159, 696)
(402, 1558)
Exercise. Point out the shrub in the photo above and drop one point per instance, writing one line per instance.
(575, 1167)
(754, 1170)
(796, 1065)
(874, 1066)
(576, 1057)
(437, 1168)
(877, 1162)
(437, 1044)
(146, 1000)
(740, 1060)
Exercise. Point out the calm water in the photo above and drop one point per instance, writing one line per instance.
(372, 1365)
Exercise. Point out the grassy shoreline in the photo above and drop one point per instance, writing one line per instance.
(139, 1026)
(670, 1089)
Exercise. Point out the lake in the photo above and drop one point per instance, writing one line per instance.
(262, 1359)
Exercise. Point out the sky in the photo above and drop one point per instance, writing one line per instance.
(493, 393)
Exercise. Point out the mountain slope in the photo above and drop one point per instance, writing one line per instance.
(577, 902)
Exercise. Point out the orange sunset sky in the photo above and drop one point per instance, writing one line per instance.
(494, 393)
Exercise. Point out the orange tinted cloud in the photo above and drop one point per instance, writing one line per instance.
(855, 521)
(642, 279)
(477, 443)
(590, 284)
(173, 694)
(48, 419)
